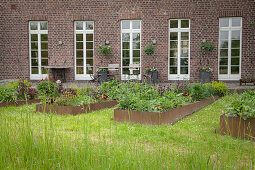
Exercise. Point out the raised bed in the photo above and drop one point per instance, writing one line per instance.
(19, 103)
(74, 110)
(237, 127)
(157, 118)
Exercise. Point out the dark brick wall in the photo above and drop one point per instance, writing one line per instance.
(107, 14)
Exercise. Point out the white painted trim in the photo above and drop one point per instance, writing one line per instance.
(178, 76)
(230, 76)
(84, 76)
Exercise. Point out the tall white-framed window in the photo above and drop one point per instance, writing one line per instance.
(130, 49)
(38, 49)
(179, 49)
(230, 51)
(84, 49)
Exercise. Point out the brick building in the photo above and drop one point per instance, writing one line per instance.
(67, 33)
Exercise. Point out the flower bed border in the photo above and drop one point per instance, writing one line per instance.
(157, 118)
(19, 102)
(237, 127)
(74, 110)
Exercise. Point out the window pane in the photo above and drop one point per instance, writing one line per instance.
(223, 44)
(235, 44)
(173, 70)
(224, 35)
(34, 25)
(89, 61)
(34, 37)
(34, 54)
(79, 45)
(34, 46)
(44, 37)
(184, 44)
(125, 62)
(234, 61)
(224, 22)
(173, 35)
(235, 35)
(173, 44)
(43, 25)
(89, 70)
(173, 23)
(236, 22)
(235, 70)
(223, 70)
(136, 45)
(79, 37)
(89, 54)
(173, 53)
(79, 62)
(184, 36)
(44, 45)
(136, 60)
(44, 62)
(173, 62)
(136, 36)
(125, 53)
(89, 45)
(184, 52)
(136, 24)
(125, 71)
(34, 62)
(79, 70)
(235, 52)
(125, 37)
(89, 37)
(184, 23)
(184, 61)
(184, 70)
(79, 54)
(125, 45)
(224, 53)
(224, 61)
(89, 25)
(35, 70)
(136, 53)
(79, 25)
(125, 24)
(44, 70)
(44, 54)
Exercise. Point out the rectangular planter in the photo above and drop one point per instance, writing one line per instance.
(237, 127)
(74, 110)
(157, 118)
(19, 103)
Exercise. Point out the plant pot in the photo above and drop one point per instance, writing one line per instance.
(237, 127)
(204, 77)
(102, 76)
(154, 76)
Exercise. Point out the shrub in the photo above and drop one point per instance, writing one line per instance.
(219, 88)
(21, 86)
(7, 94)
(48, 88)
(32, 93)
(200, 92)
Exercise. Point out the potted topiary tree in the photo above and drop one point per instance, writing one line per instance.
(102, 74)
(153, 73)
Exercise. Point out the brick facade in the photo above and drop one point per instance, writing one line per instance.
(107, 15)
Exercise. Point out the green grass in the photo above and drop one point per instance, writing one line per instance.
(32, 140)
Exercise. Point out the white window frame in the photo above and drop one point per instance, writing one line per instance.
(230, 28)
(38, 76)
(178, 76)
(131, 31)
(84, 76)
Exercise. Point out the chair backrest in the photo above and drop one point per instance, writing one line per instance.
(113, 67)
(134, 66)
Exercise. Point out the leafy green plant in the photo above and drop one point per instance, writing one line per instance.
(149, 49)
(200, 92)
(207, 46)
(219, 88)
(104, 49)
(7, 94)
(48, 88)
(21, 86)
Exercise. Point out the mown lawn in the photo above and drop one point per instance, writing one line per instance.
(32, 140)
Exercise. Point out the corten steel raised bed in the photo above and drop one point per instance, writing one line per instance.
(157, 118)
(237, 127)
(74, 110)
(19, 103)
